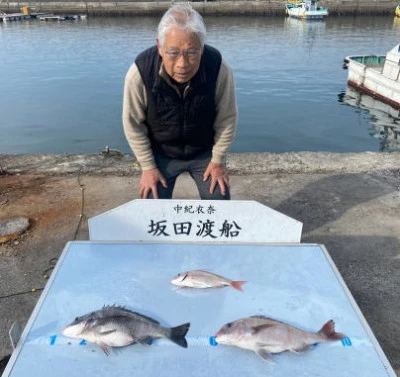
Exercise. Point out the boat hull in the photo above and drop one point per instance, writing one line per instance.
(378, 76)
(377, 95)
(307, 14)
(305, 9)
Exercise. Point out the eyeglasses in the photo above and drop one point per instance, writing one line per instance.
(191, 54)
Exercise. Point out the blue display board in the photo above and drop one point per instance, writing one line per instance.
(297, 284)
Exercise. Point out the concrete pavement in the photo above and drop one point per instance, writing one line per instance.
(348, 202)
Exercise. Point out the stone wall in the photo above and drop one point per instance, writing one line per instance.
(214, 7)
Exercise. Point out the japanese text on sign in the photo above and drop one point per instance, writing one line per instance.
(202, 228)
(199, 209)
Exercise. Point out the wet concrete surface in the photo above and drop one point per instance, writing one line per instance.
(348, 202)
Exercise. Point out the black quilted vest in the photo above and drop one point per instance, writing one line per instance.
(180, 127)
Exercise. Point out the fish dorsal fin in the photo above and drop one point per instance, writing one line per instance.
(122, 311)
(206, 272)
(271, 320)
(115, 307)
(147, 318)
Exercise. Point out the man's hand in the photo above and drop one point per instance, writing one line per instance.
(218, 175)
(148, 183)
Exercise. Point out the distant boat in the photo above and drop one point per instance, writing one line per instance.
(397, 11)
(305, 9)
(377, 75)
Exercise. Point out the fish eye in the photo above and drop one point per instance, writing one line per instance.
(228, 325)
(179, 274)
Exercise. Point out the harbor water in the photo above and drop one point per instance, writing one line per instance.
(62, 82)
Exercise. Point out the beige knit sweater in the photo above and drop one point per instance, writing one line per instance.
(135, 109)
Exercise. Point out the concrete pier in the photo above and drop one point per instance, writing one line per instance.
(214, 7)
(348, 202)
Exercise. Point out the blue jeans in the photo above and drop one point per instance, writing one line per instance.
(171, 168)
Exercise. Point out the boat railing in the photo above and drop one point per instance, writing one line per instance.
(291, 4)
(369, 59)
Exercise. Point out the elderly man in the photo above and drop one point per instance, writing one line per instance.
(179, 111)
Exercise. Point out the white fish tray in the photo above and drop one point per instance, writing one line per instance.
(298, 284)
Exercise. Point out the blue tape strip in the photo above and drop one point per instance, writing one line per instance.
(53, 340)
(347, 342)
(213, 341)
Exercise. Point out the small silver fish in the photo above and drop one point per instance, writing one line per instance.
(266, 336)
(204, 279)
(116, 326)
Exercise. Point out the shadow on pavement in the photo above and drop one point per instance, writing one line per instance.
(327, 199)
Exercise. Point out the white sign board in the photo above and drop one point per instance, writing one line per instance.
(297, 284)
(194, 221)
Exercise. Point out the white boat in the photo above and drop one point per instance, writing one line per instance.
(305, 9)
(377, 75)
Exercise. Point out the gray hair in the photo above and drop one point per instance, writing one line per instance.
(186, 18)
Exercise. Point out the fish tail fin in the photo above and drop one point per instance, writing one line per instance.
(177, 334)
(238, 285)
(329, 333)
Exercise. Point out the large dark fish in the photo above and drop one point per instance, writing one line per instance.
(266, 336)
(115, 326)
